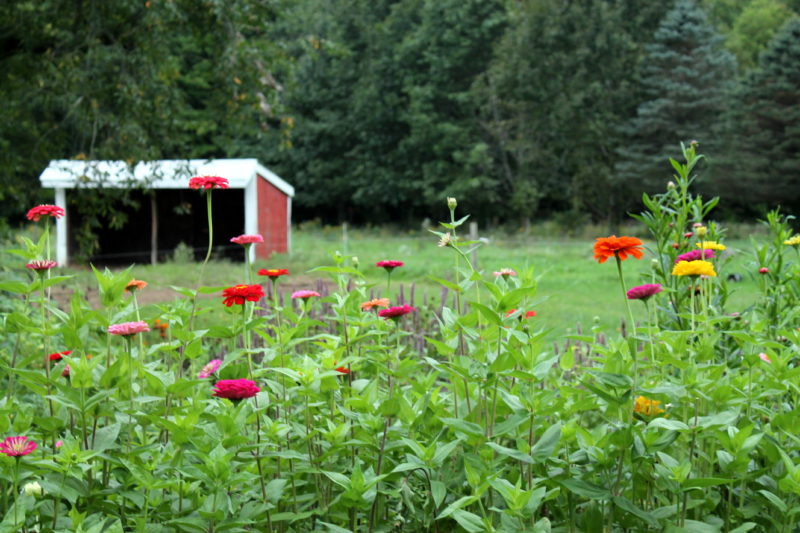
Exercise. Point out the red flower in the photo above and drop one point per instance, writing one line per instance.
(17, 446)
(41, 265)
(619, 247)
(128, 328)
(65, 372)
(58, 355)
(763, 270)
(342, 370)
(239, 294)
(273, 273)
(45, 210)
(208, 182)
(396, 312)
(235, 389)
(248, 239)
(389, 265)
(528, 314)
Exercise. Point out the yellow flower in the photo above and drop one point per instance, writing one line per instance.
(711, 245)
(693, 268)
(647, 407)
(794, 241)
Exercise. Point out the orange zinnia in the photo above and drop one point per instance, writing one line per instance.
(620, 247)
(377, 302)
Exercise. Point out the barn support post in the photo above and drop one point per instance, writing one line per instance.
(61, 228)
(251, 213)
(153, 228)
(289, 225)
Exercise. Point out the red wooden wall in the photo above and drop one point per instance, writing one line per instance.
(272, 219)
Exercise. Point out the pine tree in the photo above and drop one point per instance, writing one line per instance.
(686, 78)
(765, 128)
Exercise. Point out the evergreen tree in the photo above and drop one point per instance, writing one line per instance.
(686, 77)
(765, 130)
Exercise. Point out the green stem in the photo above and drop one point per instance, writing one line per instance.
(16, 487)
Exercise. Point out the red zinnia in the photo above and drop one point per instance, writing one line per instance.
(208, 182)
(389, 265)
(45, 210)
(528, 314)
(273, 273)
(342, 370)
(396, 312)
(240, 294)
(41, 265)
(235, 389)
(619, 247)
(248, 239)
(17, 446)
(58, 355)
(643, 292)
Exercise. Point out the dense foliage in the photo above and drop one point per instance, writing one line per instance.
(377, 109)
(335, 413)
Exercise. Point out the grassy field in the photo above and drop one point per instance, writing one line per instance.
(573, 287)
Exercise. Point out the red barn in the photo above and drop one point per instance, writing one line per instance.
(258, 201)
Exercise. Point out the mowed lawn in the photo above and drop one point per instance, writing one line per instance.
(572, 289)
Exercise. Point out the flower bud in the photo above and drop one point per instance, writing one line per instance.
(763, 270)
(451, 203)
(701, 231)
(354, 259)
(688, 234)
(32, 489)
(676, 245)
(670, 184)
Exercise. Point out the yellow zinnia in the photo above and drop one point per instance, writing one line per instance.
(693, 268)
(711, 245)
(647, 407)
(794, 241)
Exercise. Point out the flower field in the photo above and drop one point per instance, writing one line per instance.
(346, 410)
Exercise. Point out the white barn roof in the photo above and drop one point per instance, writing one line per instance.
(163, 174)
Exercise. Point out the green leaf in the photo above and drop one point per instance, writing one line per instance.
(469, 521)
(585, 489)
(700, 482)
(106, 437)
(774, 500)
(627, 505)
(547, 444)
(16, 287)
(509, 452)
(487, 313)
(438, 491)
(463, 426)
(665, 423)
(449, 284)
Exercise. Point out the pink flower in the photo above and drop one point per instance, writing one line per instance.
(764, 358)
(248, 239)
(17, 446)
(59, 443)
(505, 272)
(396, 312)
(128, 328)
(389, 265)
(209, 369)
(65, 372)
(235, 389)
(39, 211)
(304, 294)
(695, 255)
(208, 182)
(41, 265)
(644, 292)
(763, 270)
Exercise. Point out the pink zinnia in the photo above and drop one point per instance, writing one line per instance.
(763, 270)
(304, 294)
(65, 372)
(695, 255)
(59, 443)
(128, 328)
(235, 389)
(764, 357)
(396, 312)
(248, 239)
(643, 292)
(505, 272)
(17, 446)
(208, 182)
(389, 265)
(41, 265)
(45, 210)
(209, 369)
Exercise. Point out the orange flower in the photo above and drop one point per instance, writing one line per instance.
(620, 247)
(377, 302)
(135, 285)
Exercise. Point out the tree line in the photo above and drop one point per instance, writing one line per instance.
(376, 110)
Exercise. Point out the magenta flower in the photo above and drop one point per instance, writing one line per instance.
(208, 182)
(644, 292)
(304, 294)
(696, 255)
(389, 265)
(396, 312)
(127, 329)
(209, 369)
(235, 389)
(41, 265)
(764, 357)
(17, 446)
(59, 443)
(248, 239)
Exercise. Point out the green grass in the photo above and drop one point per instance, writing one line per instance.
(573, 287)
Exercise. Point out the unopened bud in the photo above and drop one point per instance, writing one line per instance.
(670, 184)
(32, 489)
(354, 259)
(701, 231)
(451, 203)
(763, 270)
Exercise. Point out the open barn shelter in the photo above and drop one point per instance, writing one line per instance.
(169, 213)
